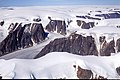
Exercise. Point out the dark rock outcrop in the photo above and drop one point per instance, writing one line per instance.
(11, 44)
(118, 45)
(37, 32)
(85, 25)
(75, 43)
(106, 48)
(21, 37)
(83, 73)
(86, 74)
(2, 23)
(99, 11)
(88, 17)
(37, 19)
(118, 70)
(118, 26)
(20, 31)
(57, 25)
(12, 27)
(26, 37)
(102, 39)
(109, 15)
(0, 76)
(3, 46)
(81, 17)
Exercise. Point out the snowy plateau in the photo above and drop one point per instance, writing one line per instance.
(60, 42)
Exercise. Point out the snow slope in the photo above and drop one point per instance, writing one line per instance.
(20, 64)
(59, 65)
(30, 53)
(25, 15)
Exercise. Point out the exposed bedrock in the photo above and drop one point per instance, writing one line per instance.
(118, 70)
(57, 25)
(118, 45)
(80, 45)
(2, 23)
(88, 17)
(75, 43)
(85, 25)
(83, 73)
(106, 48)
(109, 15)
(22, 37)
(37, 19)
(86, 74)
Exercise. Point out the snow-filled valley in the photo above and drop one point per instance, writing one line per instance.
(42, 42)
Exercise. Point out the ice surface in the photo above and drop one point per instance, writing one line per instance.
(20, 64)
(105, 27)
(59, 65)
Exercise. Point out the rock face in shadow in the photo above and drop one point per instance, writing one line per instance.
(75, 43)
(57, 25)
(37, 32)
(118, 45)
(2, 23)
(37, 19)
(84, 73)
(22, 36)
(88, 17)
(118, 70)
(109, 15)
(106, 48)
(85, 25)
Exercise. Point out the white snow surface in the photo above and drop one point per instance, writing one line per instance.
(20, 64)
(106, 27)
(31, 52)
(59, 65)
(27, 14)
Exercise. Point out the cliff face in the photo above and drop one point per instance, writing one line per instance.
(75, 43)
(85, 25)
(106, 48)
(57, 25)
(115, 14)
(2, 23)
(22, 37)
(118, 45)
(80, 45)
(118, 70)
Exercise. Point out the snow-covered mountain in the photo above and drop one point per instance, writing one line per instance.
(35, 32)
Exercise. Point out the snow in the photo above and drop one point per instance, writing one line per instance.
(3, 33)
(109, 22)
(27, 14)
(105, 27)
(30, 53)
(59, 65)
(20, 64)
